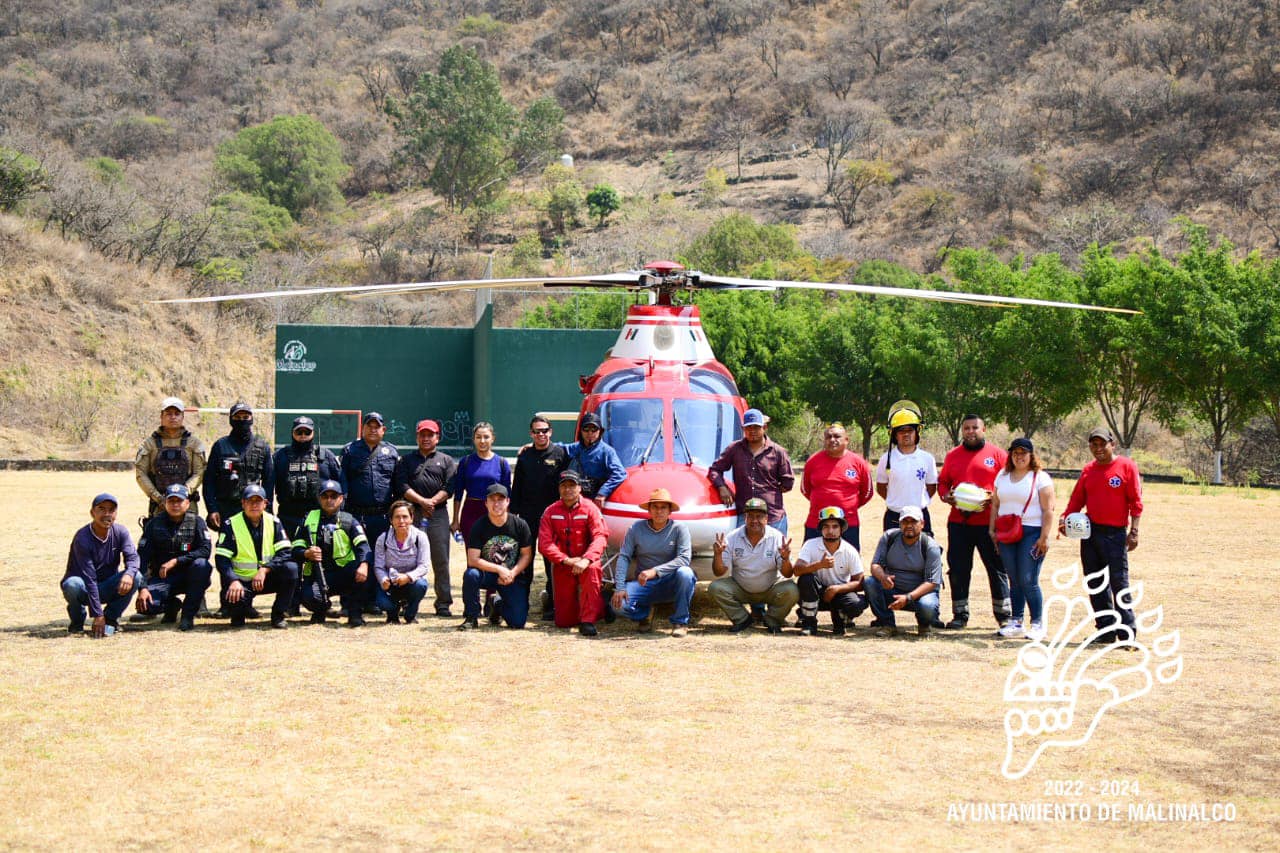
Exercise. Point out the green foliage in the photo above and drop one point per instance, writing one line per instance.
(482, 26)
(526, 256)
(714, 185)
(107, 170)
(540, 136)
(245, 224)
(565, 197)
(458, 129)
(20, 178)
(579, 311)
(218, 271)
(294, 162)
(736, 242)
(602, 201)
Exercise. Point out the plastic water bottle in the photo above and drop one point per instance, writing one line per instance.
(457, 536)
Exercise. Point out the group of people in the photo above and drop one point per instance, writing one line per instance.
(370, 528)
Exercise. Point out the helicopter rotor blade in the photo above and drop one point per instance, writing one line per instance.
(988, 299)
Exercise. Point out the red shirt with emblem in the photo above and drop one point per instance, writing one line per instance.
(979, 467)
(1110, 493)
(844, 481)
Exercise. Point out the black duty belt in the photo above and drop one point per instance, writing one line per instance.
(357, 509)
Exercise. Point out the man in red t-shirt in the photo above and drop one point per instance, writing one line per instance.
(836, 476)
(1110, 491)
(974, 461)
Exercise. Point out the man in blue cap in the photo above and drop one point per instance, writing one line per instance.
(761, 469)
(94, 578)
(255, 556)
(368, 468)
(337, 558)
(175, 552)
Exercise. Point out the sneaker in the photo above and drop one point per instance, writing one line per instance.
(1036, 632)
(495, 611)
(809, 629)
(318, 617)
(469, 625)
(255, 613)
(1011, 630)
(879, 623)
(957, 623)
(645, 625)
(937, 623)
(393, 618)
(679, 630)
(774, 629)
(739, 627)
(171, 608)
(237, 621)
(355, 619)
(279, 622)
(186, 624)
(886, 631)
(410, 620)
(74, 628)
(588, 629)
(837, 624)
(923, 629)
(443, 613)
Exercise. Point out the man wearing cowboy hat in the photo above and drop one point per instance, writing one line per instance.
(661, 550)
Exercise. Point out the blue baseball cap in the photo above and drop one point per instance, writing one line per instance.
(176, 490)
(104, 498)
(374, 416)
(330, 486)
(753, 417)
(253, 491)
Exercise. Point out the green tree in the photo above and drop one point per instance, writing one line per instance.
(736, 242)
(851, 184)
(602, 201)
(565, 197)
(20, 178)
(294, 162)
(540, 136)
(458, 129)
(245, 224)
(579, 311)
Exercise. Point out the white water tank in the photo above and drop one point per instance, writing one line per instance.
(566, 160)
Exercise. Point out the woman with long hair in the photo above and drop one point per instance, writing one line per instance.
(1025, 490)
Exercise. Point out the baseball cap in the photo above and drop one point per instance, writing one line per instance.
(374, 416)
(570, 476)
(104, 498)
(238, 407)
(911, 512)
(1022, 444)
(253, 490)
(429, 425)
(176, 490)
(303, 421)
(330, 486)
(752, 417)
(173, 403)
(590, 419)
(1102, 433)
(496, 489)
(755, 505)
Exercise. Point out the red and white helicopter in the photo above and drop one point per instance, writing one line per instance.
(667, 405)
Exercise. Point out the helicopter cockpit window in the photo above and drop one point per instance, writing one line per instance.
(707, 427)
(629, 427)
(621, 381)
(710, 382)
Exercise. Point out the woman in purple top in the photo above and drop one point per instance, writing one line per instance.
(476, 473)
(401, 559)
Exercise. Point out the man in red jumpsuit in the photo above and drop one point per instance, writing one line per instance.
(572, 537)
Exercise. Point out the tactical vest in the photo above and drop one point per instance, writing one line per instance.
(172, 464)
(340, 551)
(245, 561)
(238, 470)
(302, 479)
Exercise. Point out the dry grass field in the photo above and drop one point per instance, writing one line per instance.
(421, 737)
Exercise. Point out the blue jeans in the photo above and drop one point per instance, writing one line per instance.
(409, 597)
(674, 587)
(513, 601)
(113, 603)
(850, 535)
(925, 607)
(1024, 574)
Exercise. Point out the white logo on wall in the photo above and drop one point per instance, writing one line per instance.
(1060, 688)
(294, 359)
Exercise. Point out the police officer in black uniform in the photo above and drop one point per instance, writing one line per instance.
(299, 470)
(368, 467)
(171, 454)
(337, 558)
(174, 551)
(236, 460)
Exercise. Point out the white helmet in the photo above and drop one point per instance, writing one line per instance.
(1078, 526)
(970, 497)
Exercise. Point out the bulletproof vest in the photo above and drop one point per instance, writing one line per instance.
(172, 464)
(302, 480)
(177, 543)
(333, 538)
(240, 469)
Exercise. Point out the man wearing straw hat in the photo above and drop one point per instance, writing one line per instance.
(661, 551)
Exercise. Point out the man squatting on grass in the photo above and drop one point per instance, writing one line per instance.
(93, 578)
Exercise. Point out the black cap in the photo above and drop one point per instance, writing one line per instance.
(571, 476)
(374, 416)
(303, 420)
(590, 419)
(497, 489)
(1022, 444)
(238, 407)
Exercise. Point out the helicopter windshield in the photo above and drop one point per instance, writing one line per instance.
(629, 426)
(708, 427)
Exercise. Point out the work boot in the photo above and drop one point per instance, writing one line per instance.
(809, 626)
(837, 624)
(588, 629)
(171, 608)
(355, 618)
(957, 623)
(186, 624)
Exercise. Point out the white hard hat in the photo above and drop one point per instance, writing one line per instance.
(970, 497)
(1078, 526)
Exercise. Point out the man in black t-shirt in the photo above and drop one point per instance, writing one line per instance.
(499, 554)
(536, 486)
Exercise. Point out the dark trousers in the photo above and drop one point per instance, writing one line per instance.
(891, 520)
(281, 580)
(850, 535)
(187, 582)
(439, 538)
(514, 597)
(1107, 549)
(962, 539)
(846, 606)
(341, 581)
